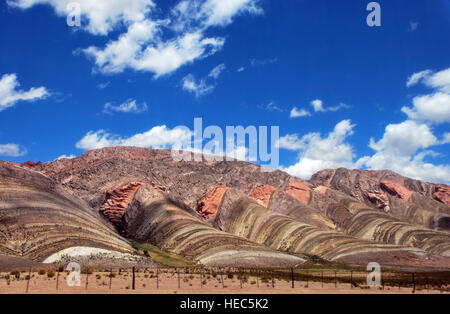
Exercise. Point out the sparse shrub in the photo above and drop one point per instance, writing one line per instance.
(230, 276)
(98, 276)
(15, 273)
(50, 274)
(86, 271)
(60, 269)
(42, 272)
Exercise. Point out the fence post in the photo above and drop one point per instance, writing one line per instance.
(57, 280)
(240, 277)
(351, 280)
(133, 284)
(221, 277)
(201, 277)
(321, 276)
(307, 278)
(110, 279)
(414, 282)
(257, 278)
(292, 277)
(273, 281)
(178, 275)
(428, 286)
(157, 277)
(87, 278)
(28, 281)
(335, 279)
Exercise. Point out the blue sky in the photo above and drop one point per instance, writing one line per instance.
(344, 94)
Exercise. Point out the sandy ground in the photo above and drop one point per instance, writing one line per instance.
(98, 283)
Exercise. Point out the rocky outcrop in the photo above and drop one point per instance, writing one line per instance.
(207, 207)
(442, 194)
(117, 202)
(38, 218)
(262, 194)
(403, 198)
(397, 190)
(300, 192)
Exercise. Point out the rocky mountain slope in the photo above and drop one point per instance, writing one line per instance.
(221, 213)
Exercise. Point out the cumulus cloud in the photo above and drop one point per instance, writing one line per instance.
(199, 88)
(215, 73)
(403, 148)
(437, 80)
(102, 16)
(317, 152)
(12, 150)
(204, 85)
(159, 46)
(434, 107)
(158, 137)
(318, 106)
(296, 113)
(130, 106)
(10, 95)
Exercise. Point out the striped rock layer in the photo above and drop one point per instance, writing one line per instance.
(154, 217)
(38, 218)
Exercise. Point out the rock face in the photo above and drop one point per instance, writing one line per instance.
(442, 194)
(300, 192)
(39, 218)
(209, 204)
(397, 190)
(118, 201)
(407, 199)
(221, 213)
(262, 194)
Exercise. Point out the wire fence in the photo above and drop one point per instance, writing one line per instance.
(55, 280)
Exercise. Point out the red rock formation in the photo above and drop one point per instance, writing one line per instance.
(379, 199)
(396, 189)
(118, 201)
(442, 194)
(209, 204)
(300, 192)
(262, 194)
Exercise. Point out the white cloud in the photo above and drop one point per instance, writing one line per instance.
(318, 105)
(9, 95)
(317, 153)
(437, 80)
(130, 106)
(434, 108)
(241, 69)
(158, 137)
(296, 113)
(272, 106)
(102, 16)
(413, 26)
(417, 77)
(197, 88)
(157, 46)
(12, 150)
(65, 157)
(103, 85)
(405, 138)
(403, 149)
(215, 73)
